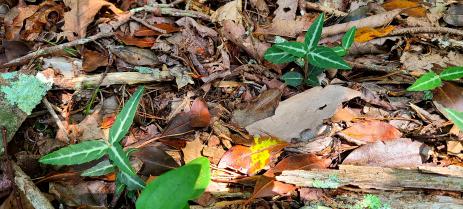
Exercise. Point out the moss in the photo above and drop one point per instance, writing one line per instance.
(332, 182)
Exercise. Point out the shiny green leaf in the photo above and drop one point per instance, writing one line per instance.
(76, 154)
(451, 73)
(456, 117)
(314, 33)
(102, 168)
(133, 182)
(325, 57)
(294, 48)
(427, 81)
(277, 56)
(120, 159)
(348, 38)
(292, 78)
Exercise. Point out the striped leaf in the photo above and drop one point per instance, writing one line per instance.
(292, 78)
(133, 182)
(120, 159)
(125, 118)
(340, 51)
(456, 117)
(451, 73)
(278, 56)
(348, 38)
(294, 48)
(314, 33)
(100, 169)
(427, 81)
(325, 57)
(76, 154)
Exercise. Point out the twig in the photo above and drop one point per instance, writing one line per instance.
(148, 25)
(56, 118)
(28, 188)
(8, 172)
(318, 7)
(166, 10)
(372, 67)
(414, 30)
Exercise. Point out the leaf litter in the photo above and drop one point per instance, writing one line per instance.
(211, 93)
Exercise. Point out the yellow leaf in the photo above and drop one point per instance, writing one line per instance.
(263, 150)
(366, 33)
(412, 7)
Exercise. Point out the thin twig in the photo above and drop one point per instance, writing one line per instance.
(148, 25)
(56, 118)
(413, 30)
(321, 8)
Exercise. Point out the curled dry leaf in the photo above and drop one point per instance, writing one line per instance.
(197, 117)
(14, 20)
(155, 160)
(200, 116)
(145, 42)
(366, 33)
(93, 59)
(397, 153)
(370, 131)
(261, 107)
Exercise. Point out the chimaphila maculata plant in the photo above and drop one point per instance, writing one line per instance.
(190, 179)
(430, 81)
(315, 57)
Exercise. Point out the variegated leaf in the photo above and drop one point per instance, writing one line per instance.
(451, 73)
(314, 33)
(133, 182)
(120, 159)
(456, 117)
(278, 56)
(427, 81)
(102, 168)
(76, 154)
(326, 58)
(294, 48)
(348, 38)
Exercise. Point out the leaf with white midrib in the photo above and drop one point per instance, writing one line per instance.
(120, 159)
(100, 169)
(132, 182)
(314, 32)
(427, 81)
(125, 118)
(325, 57)
(451, 73)
(348, 38)
(76, 154)
(294, 48)
(455, 117)
(278, 56)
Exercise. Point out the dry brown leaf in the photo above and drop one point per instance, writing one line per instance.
(344, 114)
(93, 59)
(135, 55)
(261, 107)
(229, 11)
(366, 33)
(81, 15)
(299, 162)
(145, 42)
(14, 20)
(412, 8)
(48, 14)
(397, 153)
(200, 116)
(370, 131)
(268, 187)
(449, 95)
(192, 150)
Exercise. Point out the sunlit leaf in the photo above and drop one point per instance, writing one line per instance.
(262, 150)
(366, 33)
(278, 56)
(294, 48)
(348, 38)
(314, 33)
(125, 118)
(451, 73)
(76, 154)
(427, 81)
(456, 117)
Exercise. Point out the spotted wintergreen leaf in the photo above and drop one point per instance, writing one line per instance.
(292, 78)
(325, 57)
(125, 118)
(340, 51)
(133, 182)
(76, 154)
(120, 159)
(294, 48)
(348, 38)
(427, 81)
(451, 73)
(314, 33)
(102, 168)
(278, 56)
(456, 117)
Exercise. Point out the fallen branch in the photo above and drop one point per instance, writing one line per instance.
(414, 30)
(30, 191)
(321, 8)
(55, 117)
(366, 177)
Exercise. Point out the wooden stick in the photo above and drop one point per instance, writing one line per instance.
(366, 177)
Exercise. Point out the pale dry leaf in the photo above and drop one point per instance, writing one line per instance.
(229, 11)
(370, 131)
(192, 150)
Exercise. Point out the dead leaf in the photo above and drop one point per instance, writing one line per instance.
(370, 131)
(81, 15)
(135, 55)
(412, 8)
(155, 160)
(90, 193)
(48, 14)
(14, 20)
(167, 27)
(237, 158)
(303, 112)
(397, 153)
(344, 114)
(15, 49)
(449, 95)
(261, 107)
(454, 15)
(455, 148)
(366, 33)
(200, 116)
(268, 187)
(93, 59)
(229, 11)
(197, 117)
(299, 162)
(192, 150)
(214, 153)
(145, 42)
(108, 121)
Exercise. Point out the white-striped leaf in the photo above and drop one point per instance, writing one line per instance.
(451, 73)
(278, 56)
(340, 51)
(456, 117)
(294, 48)
(325, 57)
(102, 168)
(76, 154)
(348, 38)
(133, 182)
(314, 33)
(125, 118)
(120, 159)
(292, 78)
(427, 81)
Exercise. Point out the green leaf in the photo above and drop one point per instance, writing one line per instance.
(173, 189)
(119, 157)
(292, 78)
(314, 33)
(456, 117)
(133, 182)
(294, 48)
(278, 56)
(339, 51)
(76, 154)
(451, 73)
(312, 79)
(427, 81)
(348, 38)
(100, 169)
(125, 118)
(325, 57)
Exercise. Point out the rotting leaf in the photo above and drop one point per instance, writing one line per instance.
(370, 131)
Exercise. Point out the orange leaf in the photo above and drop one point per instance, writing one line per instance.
(144, 31)
(145, 42)
(370, 131)
(366, 33)
(108, 121)
(200, 116)
(412, 7)
(268, 187)
(299, 162)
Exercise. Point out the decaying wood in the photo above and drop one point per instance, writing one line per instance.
(414, 30)
(29, 190)
(91, 81)
(380, 178)
(318, 7)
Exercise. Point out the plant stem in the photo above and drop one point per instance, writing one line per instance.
(306, 69)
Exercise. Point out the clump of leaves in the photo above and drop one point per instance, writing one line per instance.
(191, 179)
(318, 57)
(431, 80)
